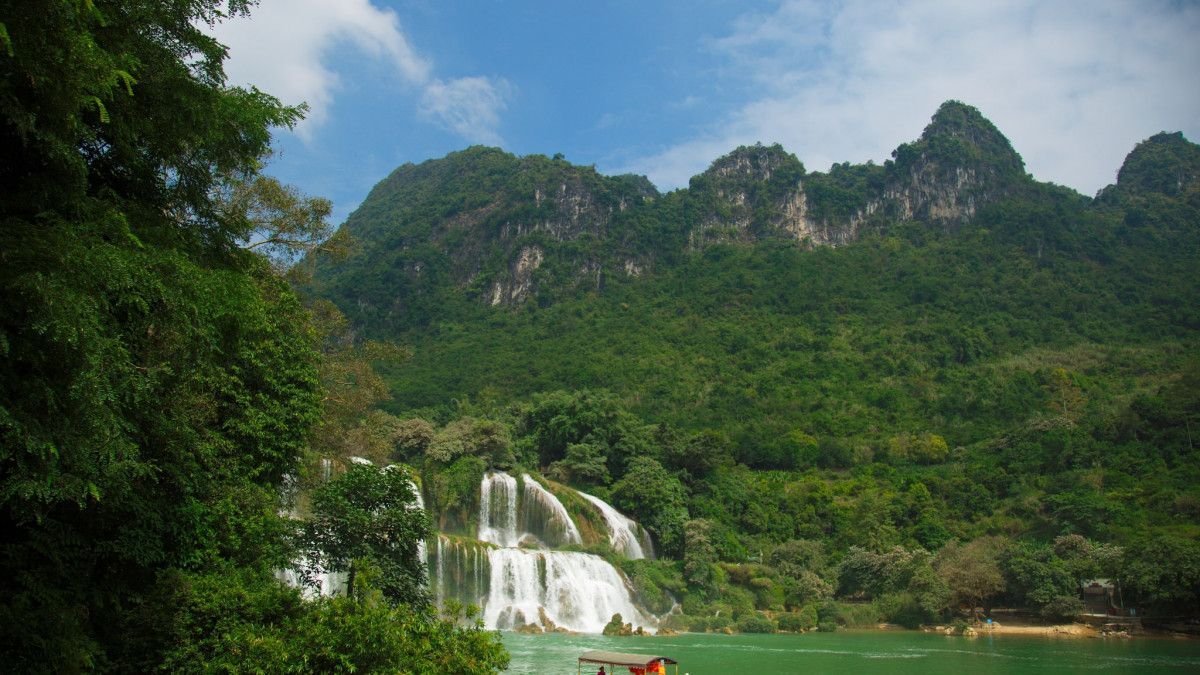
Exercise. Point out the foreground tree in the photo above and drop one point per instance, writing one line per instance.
(157, 379)
(369, 516)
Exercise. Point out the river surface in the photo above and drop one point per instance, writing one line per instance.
(865, 653)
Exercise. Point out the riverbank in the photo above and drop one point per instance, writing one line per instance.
(1073, 630)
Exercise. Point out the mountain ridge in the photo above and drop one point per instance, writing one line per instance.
(484, 225)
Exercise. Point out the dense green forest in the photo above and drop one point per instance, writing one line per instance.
(161, 385)
(882, 392)
(982, 401)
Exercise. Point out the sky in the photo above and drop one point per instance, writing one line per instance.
(664, 88)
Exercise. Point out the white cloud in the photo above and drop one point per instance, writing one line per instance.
(1073, 85)
(285, 48)
(468, 106)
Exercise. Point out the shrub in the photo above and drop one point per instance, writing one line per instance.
(756, 623)
(1063, 607)
(797, 622)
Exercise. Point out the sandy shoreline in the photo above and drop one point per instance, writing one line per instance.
(1061, 630)
(1070, 630)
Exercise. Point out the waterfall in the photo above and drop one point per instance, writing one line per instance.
(511, 572)
(498, 509)
(422, 548)
(459, 570)
(576, 591)
(544, 516)
(626, 536)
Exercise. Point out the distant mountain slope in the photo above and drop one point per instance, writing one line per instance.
(933, 294)
(487, 226)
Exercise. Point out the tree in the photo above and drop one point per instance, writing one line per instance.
(796, 555)
(157, 381)
(971, 571)
(1162, 572)
(487, 439)
(699, 555)
(412, 437)
(554, 421)
(1039, 578)
(877, 573)
(229, 623)
(585, 463)
(278, 222)
(699, 455)
(369, 516)
(656, 499)
(350, 425)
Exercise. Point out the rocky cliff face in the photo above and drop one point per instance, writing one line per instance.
(960, 163)
(504, 230)
(487, 224)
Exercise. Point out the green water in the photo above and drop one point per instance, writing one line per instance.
(866, 653)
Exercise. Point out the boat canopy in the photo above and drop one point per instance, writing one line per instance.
(625, 660)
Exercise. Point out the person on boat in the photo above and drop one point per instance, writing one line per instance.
(601, 671)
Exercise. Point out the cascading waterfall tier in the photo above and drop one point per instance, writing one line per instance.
(422, 546)
(543, 516)
(498, 509)
(460, 570)
(624, 534)
(513, 574)
(574, 591)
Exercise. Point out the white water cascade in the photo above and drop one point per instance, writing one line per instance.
(512, 572)
(498, 509)
(545, 515)
(422, 547)
(626, 536)
(576, 591)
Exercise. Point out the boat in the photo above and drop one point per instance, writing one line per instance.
(637, 664)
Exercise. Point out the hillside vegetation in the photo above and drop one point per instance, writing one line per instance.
(938, 355)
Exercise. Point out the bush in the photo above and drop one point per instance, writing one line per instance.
(826, 627)
(756, 623)
(850, 614)
(715, 619)
(658, 584)
(903, 609)
(1062, 608)
(797, 622)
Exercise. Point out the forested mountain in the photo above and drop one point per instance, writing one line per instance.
(938, 349)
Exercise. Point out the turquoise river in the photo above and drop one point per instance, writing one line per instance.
(866, 653)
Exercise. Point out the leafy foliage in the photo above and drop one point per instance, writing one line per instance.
(368, 515)
(159, 381)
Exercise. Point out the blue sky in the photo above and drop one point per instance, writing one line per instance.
(664, 88)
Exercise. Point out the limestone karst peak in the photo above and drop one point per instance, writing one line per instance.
(1165, 163)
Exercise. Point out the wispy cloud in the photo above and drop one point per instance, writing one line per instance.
(1073, 84)
(468, 106)
(286, 47)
